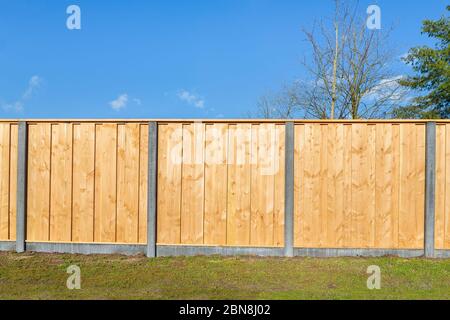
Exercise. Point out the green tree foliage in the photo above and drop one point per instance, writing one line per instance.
(432, 78)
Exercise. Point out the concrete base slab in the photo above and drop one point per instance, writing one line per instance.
(323, 253)
(165, 251)
(7, 246)
(89, 248)
(442, 253)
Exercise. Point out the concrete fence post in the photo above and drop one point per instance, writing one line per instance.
(430, 187)
(151, 202)
(21, 186)
(289, 191)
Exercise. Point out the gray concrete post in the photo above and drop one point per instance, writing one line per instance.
(21, 187)
(289, 191)
(151, 202)
(430, 186)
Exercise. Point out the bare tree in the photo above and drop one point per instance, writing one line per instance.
(348, 72)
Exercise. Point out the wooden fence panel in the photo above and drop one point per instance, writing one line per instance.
(359, 185)
(442, 225)
(356, 184)
(91, 182)
(8, 180)
(221, 184)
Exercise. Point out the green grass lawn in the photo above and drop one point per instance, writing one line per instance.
(43, 276)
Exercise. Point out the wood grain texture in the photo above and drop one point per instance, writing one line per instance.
(442, 225)
(239, 184)
(279, 185)
(356, 184)
(216, 182)
(38, 182)
(359, 185)
(61, 183)
(105, 183)
(128, 183)
(143, 185)
(193, 180)
(13, 153)
(84, 136)
(5, 147)
(170, 153)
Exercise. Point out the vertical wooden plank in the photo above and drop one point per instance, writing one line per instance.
(83, 182)
(170, 145)
(371, 186)
(384, 181)
(440, 185)
(238, 194)
(360, 171)
(447, 189)
(4, 180)
(105, 183)
(331, 232)
(38, 186)
(215, 219)
(347, 187)
(419, 188)
(396, 181)
(61, 183)
(262, 193)
(338, 167)
(279, 201)
(322, 216)
(311, 194)
(192, 184)
(143, 182)
(13, 181)
(128, 182)
(299, 184)
(411, 179)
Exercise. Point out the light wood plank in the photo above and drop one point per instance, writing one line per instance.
(192, 184)
(215, 221)
(38, 182)
(128, 182)
(61, 183)
(105, 183)
(262, 192)
(299, 185)
(280, 152)
(446, 221)
(143, 183)
(440, 187)
(13, 181)
(83, 182)
(4, 180)
(170, 145)
(419, 219)
(238, 194)
(384, 181)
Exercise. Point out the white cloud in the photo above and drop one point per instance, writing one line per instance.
(33, 84)
(387, 87)
(191, 99)
(120, 103)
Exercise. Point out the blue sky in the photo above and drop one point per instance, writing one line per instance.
(166, 59)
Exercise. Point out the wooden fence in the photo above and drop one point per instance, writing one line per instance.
(357, 184)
